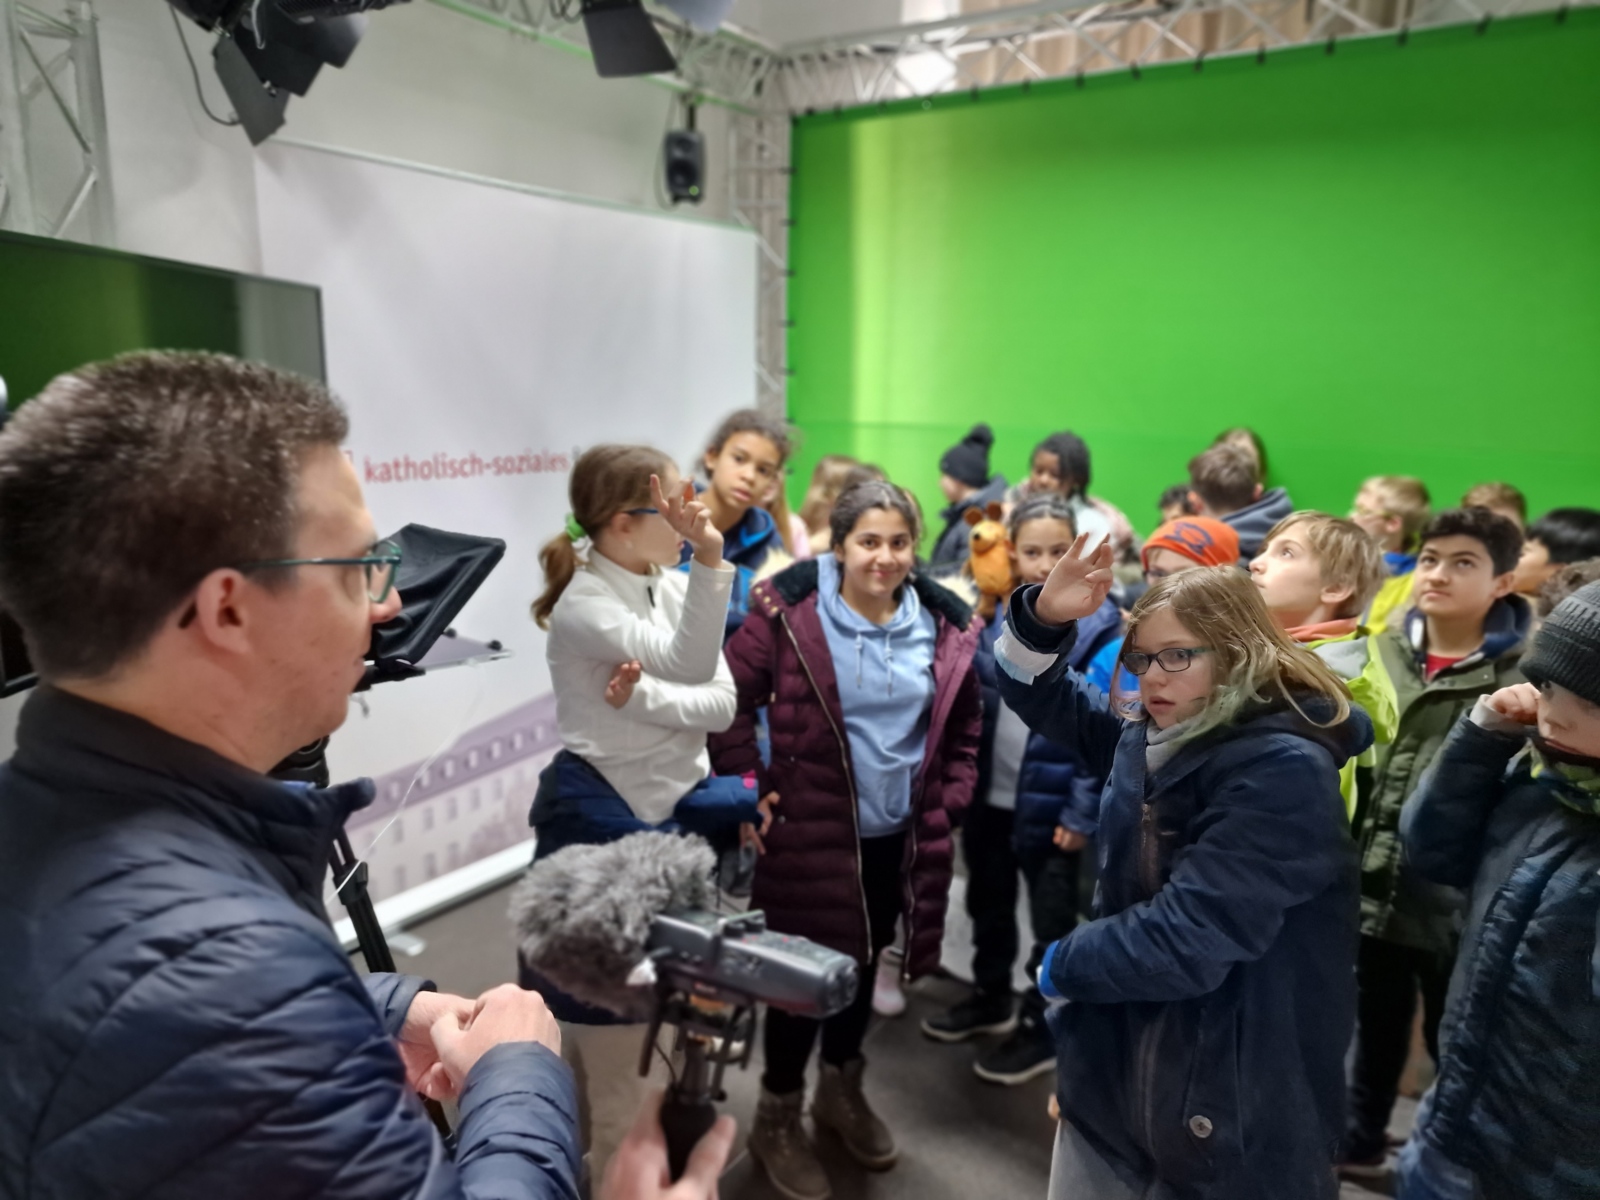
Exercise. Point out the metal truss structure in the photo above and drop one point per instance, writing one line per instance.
(55, 173)
(988, 46)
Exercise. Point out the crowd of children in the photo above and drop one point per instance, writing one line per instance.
(1317, 770)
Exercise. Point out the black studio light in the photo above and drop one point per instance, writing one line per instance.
(270, 49)
(624, 40)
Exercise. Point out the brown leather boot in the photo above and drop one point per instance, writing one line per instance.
(840, 1105)
(779, 1143)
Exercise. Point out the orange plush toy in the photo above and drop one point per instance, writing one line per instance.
(989, 562)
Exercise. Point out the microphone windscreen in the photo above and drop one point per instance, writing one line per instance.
(583, 914)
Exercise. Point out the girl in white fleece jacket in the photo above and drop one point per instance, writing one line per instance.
(635, 654)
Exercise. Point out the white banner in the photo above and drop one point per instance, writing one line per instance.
(480, 336)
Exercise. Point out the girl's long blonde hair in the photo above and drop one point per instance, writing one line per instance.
(1255, 662)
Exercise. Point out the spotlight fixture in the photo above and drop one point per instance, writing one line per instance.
(267, 49)
(624, 40)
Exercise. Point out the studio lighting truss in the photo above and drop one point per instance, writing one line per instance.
(55, 167)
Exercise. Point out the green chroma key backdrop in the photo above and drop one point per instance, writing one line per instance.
(1386, 259)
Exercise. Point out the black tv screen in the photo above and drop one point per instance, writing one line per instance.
(63, 304)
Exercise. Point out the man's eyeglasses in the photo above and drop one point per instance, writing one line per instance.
(382, 565)
(646, 511)
(1172, 660)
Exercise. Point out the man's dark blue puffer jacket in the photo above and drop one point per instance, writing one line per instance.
(176, 1017)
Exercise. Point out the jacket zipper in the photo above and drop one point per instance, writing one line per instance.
(1149, 850)
(849, 778)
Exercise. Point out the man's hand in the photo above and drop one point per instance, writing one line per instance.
(423, 1071)
(1519, 703)
(638, 1170)
(503, 1014)
(752, 834)
(1068, 840)
(1078, 585)
(690, 520)
(619, 690)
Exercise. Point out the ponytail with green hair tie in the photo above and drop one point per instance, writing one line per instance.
(575, 531)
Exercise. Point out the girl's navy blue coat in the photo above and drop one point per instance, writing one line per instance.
(1056, 785)
(1209, 1007)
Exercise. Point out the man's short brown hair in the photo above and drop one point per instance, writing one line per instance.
(1405, 497)
(1225, 477)
(125, 483)
(1345, 554)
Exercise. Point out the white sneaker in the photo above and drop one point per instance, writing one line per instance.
(887, 998)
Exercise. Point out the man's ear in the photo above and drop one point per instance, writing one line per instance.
(1197, 506)
(1504, 585)
(220, 611)
(1257, 494)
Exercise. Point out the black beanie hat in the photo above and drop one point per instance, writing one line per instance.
(968, 459)
(1566, 649)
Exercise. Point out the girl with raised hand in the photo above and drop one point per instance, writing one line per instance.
(1034, 810)
(1204, 1016)
(635, 655)
(866, 670)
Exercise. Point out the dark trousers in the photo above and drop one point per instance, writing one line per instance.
(992, 867)
(789, 1039)
(1389, 977)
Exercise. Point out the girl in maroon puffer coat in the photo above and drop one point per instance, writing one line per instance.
(875, 716)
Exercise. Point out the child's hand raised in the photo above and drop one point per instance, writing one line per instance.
(1078, 585)
(1519, 703)
(690, 520)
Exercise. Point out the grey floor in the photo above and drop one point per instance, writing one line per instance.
(959, 1136)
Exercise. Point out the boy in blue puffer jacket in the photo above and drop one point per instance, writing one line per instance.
(1511, 809)
(1035, 808)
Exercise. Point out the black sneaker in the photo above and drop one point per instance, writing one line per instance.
(978, 1014)
(1026, 1054)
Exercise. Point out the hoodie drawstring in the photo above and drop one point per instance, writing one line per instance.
(888, 657)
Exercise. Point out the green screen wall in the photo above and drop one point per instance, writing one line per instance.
(1385, 259)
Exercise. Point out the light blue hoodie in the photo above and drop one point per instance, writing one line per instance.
(885, 675)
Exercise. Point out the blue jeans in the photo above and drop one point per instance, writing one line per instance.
(1422, 1173)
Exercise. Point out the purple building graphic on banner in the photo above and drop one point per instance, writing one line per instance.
(471, 802)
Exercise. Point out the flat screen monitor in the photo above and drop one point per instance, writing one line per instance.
(63, 304)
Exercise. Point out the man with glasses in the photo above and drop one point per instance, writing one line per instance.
(189, 555)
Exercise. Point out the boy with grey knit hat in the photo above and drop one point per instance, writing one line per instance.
(1511, 808)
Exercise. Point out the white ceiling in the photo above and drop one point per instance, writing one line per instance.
(787, 22)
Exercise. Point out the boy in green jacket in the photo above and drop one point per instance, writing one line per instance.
(1461, 640)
